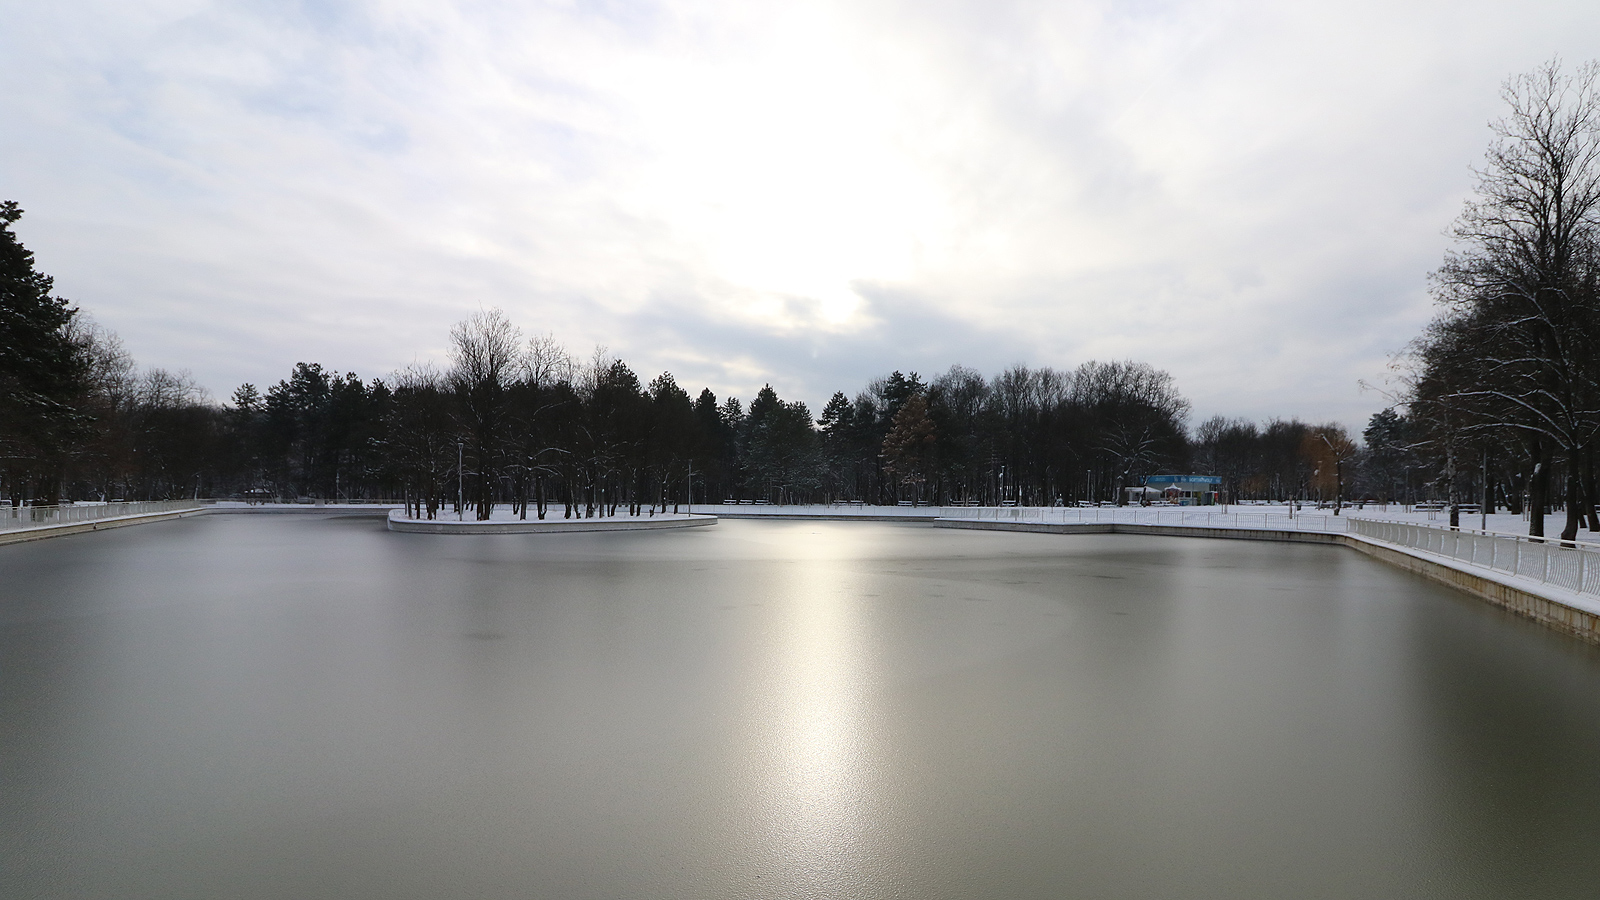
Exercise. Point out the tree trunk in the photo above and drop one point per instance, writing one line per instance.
(1574, 502)
(1589, 491)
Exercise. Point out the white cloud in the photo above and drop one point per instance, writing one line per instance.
(1247, 194)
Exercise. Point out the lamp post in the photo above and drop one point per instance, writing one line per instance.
(1483, 508)
(1338, 469)
(461, 494)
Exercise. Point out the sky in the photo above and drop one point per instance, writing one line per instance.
(1248, 195)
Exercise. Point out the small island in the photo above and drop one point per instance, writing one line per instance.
(508, 523)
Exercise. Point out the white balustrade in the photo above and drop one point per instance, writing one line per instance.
(13, 518)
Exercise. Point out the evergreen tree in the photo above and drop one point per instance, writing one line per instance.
(42, 373)
(908, 447)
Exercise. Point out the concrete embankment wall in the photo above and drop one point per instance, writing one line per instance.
(1493, 587)
(49, 531)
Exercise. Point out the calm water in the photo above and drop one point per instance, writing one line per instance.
(297, 707)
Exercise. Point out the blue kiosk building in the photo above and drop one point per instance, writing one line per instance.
(1182, 490)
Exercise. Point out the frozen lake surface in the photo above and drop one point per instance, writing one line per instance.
(309, 707)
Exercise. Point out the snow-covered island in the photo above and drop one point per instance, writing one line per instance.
(504, 521)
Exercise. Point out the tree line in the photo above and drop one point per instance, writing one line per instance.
(519, 421)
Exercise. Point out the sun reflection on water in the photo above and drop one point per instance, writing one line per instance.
(816, 730)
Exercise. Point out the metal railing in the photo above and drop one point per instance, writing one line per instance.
(13, 518)
(1198, 517)
(1572, 565)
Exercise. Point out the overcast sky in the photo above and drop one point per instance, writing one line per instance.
(1248, 195)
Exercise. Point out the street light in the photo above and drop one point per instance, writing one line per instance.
(1483, 507)
(461, 494)
(1338, 468)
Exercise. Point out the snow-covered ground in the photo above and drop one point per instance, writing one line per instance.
(1499, 523)
(328, 504)
(552, 514)
(820, 510)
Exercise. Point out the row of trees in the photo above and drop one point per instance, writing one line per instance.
(518, 421)
(521, 422)
(76, 417)
(1502, 396)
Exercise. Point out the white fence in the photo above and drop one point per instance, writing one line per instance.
(16, 517)
(1571, 565)
(1574, 566)
(1279, 519)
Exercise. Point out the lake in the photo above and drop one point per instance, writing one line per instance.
(306, 706)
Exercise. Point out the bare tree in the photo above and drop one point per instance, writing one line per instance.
(1139, 416)
(545, 385)
(106, 457)
(486, 357)
(547, 363)
(1525, 281)
(1230, 449)
(1329, 449)
(420, 442)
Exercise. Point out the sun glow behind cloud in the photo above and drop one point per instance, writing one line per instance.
(1248, 194)
(779, 164)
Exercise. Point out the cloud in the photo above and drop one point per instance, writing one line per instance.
(1249, 195)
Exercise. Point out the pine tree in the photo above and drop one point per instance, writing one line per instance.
(42, 373)
(908, 447)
